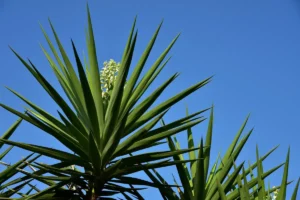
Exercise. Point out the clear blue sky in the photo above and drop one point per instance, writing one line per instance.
(252, 47)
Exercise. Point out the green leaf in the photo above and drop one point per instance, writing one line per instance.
(182, 158)
(129, 40)
(221, 191)
(294, 196)
(140, 109)
(5, 152)
(136, 168)
(52, 178)
(32, 187)
(39, 172)
(153, 156)
(282, 191)
(232, 147)
(136, 136)
(208, 142)
(261, 184)
(236, 153)
(11, 170)
(181, 172)
(165, 134)
(136, 193)
(142, 85)
(55, 170)
(53, 93)
(247, 171)
(138, 69)
(11, 192)
(95, 154)
(191, 145)
(70, 73)
(59, 61)
(245, 188)
(90, 103)
(95, 84)
(165, 105)
(80, 137)
(10, 131)
(253, 182)
(47, 190)
(53, 153)
(199, 179)
(177, 123)
(46, 117)
(114, 122)
(166, 192)
(211, 175)
(62, 136)
(131, 150)
(68, 81)
(227, 185)
(133, 181)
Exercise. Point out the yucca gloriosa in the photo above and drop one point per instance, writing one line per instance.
(105, 126)
(103, 132)
(225, 180)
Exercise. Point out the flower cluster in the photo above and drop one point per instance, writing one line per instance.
(108, 76)
(273, 196)
(275, 193)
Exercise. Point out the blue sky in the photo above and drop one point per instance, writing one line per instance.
(252, 48)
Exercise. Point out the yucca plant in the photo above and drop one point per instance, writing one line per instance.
(100, 131)
(225, 179)
(8, 189)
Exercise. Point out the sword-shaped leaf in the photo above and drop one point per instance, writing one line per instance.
(12, 170)
(162, 135)
(53, 153)
(261, 184)
(90, 103)
(282, 190)
(2, 155)
(181, 172)
(10, 131)
(111, 141)
(199, 179)
(11, 192)
(165, 105)
(95, 84)
(138, 69)
(208, 142)
(47, 190)
(136, 136)
(221, 191)
(294, 196)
